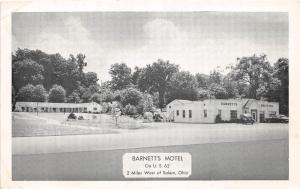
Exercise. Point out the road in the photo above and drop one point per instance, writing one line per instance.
(219, 152)
(258, 160)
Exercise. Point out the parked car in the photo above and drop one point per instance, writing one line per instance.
(157, 117)
(277, 119)
(246, 118)
(72, 116)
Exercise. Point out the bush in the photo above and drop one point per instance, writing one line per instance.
(39, 94)
(30, 93)
(115, 105)
(218, 119)
(145, 104)
(130, 109)
(26, 93)
(130, 96)
(57, 94)
(105, 107)
(96, 97)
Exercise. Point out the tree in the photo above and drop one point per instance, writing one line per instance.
(202, 94)
(13, 98)
(90, 79)
(37, 67)
(57, 94)
(146, 104)
(107, 96)
(136, 75)
(281, 72)
(156, 78)
(217, 91)
(120, 76)
(130, 109)
(130, 96)
(39, 94)
(65, 73)
(215, 77)
(25, 93)
(96, 97)
(231, 86)
(81, 62)
(254, 71)
(183, 85)
(202, 80)
(26, 72)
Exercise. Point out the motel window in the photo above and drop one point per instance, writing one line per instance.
(169, 106)
(54, 109)
(84, 109)
(23, 109)
(183, 113)
(190, 113)
(61, 109)
(95, 108)
(177, 112)
(205, 113)
(233, 114)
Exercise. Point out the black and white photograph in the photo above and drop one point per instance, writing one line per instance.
(150, 95)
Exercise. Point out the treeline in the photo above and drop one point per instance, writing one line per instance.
(143, 88)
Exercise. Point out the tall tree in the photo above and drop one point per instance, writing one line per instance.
(255, 72)
(90, 79)
(57, 94)
(282, 73)
(25, 93)
(203, 80)
(215, 77)
(39, 94)
(183, 85)
(156, 78)
(120, 76)
(217, 91)
(26, 72)
(136, 74)
(130, 96)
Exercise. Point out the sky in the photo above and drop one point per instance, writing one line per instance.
(197, 41)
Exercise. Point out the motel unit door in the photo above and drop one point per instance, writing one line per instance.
(254, 114)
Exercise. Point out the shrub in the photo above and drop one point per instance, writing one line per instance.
(39, 94)
(26, 93)
(57, 94)
(116, 104)
(130, 109)
(145, 104)
(130, 96)
(218, 119)
(30, 93)
(96, 97)
(105, 107)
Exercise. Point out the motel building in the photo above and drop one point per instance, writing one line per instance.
(91, 107)
(205, 111)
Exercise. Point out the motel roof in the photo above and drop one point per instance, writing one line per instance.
(51, 104)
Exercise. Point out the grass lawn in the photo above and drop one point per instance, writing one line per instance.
(28, 125)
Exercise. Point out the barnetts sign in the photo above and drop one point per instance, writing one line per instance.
(157, 165)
